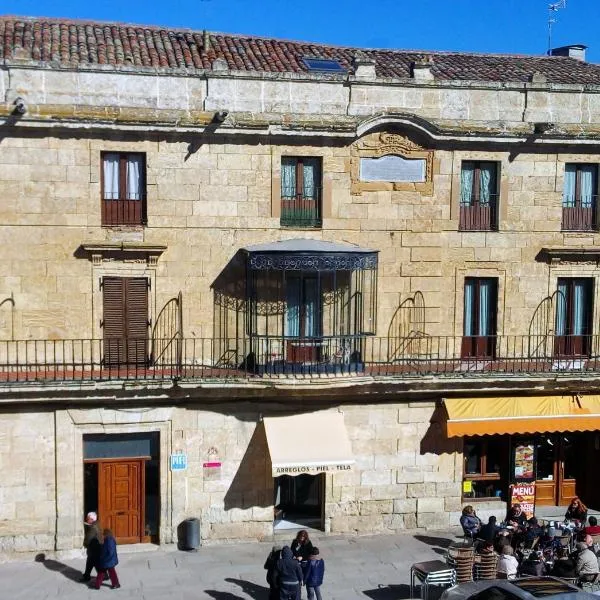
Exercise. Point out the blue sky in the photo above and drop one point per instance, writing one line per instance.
(507, 26)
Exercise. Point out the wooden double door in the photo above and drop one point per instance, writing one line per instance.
(121, 498)
(558, 466)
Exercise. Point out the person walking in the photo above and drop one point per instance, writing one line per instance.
(270, 566)
(313, 579)
(108, 561)
(91, 543)
(288, 574)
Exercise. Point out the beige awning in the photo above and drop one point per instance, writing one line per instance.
(309, 443)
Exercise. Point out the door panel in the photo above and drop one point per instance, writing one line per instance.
(121, 498)
(545, 492)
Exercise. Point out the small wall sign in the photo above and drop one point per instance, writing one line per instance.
(211, 471)
(178, 461)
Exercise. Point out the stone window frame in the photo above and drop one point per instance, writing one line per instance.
(386, 144)
(482, 271)
(326, 182)
(580, 270)
(99, 147)
(502, 158)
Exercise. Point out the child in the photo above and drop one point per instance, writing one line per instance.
(314, 574)
(108, 561)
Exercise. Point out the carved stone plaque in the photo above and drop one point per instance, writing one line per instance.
(393, 168)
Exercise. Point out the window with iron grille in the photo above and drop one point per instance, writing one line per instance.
(478, 196)
(123, 188)
(301, 198)
(580, 196)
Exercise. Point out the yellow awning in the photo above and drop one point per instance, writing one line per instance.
(309, 443)
(488, 416)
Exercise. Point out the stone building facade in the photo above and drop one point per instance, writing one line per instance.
(216, 121)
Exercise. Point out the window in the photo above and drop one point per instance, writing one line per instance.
(573, 325)
(579, 197)
(328, 65)
(125, 320)
(478, 196)
(479, 324)
(485, 466)
(123, 189)
(301, 192)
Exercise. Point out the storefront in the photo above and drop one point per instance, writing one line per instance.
(549, 442)
(303, 449)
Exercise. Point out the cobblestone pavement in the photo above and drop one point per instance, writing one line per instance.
(375, 567)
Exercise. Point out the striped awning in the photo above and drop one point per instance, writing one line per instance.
(536, 414)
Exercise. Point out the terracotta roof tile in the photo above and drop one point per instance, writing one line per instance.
(83, 43)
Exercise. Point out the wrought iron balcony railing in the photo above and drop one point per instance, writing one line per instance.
(46, 361)
(301, 208)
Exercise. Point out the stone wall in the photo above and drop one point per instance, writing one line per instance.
(206, 205)
(396, 483)
(308, 94)
(27, 485)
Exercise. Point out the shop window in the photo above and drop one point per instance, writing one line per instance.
(478, 196)
(580, 197)
(123, 188)
(485, 460)
(301, 192)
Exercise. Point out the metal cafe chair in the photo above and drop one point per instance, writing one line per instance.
(431, 573)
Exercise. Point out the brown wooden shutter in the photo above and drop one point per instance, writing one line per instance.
(136, 303)
(125, 306)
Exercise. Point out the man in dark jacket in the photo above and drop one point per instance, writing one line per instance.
(288, 575)
(91, 543)
(270, 565)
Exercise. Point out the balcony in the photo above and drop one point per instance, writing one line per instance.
(576, 217)
(478, 216)
(301, 209)
(195, 359)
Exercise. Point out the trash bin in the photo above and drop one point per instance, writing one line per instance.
(189, 534)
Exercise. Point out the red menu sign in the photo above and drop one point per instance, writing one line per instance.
(523, 493)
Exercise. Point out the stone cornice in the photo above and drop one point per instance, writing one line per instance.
(571, 255)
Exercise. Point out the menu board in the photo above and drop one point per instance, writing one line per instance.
(524, 461)
(523, 493)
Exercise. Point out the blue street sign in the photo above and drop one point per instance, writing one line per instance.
(178, 462)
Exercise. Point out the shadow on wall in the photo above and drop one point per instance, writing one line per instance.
(435, 440)
(252, 484)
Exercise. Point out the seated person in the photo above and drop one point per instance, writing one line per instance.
(564, 565)
(489, 530)
(502, 540)
(485, 548)
(469, 521)
(586, 562)
(508, 565)
(533, 532)
(593, 528)
(515, 516)
(533, 565)
(576, 511)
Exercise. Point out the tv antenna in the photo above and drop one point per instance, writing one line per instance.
(553, 8)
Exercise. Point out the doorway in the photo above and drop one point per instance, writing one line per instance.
(122, 484)
(558, 458)
(299, 501)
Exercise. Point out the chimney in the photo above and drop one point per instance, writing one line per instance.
(576, 51)
(421, 69)
(364, 66)
(205, 40)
